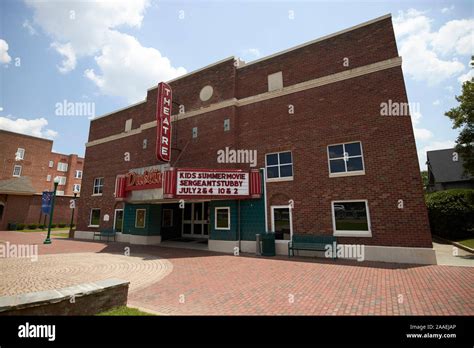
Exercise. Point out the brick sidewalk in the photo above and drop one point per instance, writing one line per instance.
(206, 283)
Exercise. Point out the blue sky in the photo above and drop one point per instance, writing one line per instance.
(109, 53)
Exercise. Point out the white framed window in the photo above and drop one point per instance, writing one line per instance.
(167, 218)
(62, 167)
(140, 218)
(222, 218)
(48, 177)
(78, 174)
(76, 188)
(279, 166)
(17, 170)
(59, 193)
(351, 218)
(62, 180)
(51, 164)
(282, 222)
(98, 186)
(226, 125)
(94, 220)
(20, 154)
(346, 159)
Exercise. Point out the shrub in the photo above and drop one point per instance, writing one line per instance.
(451, 213)
(20, 227)
(72, 225)
(53, 225)
(62, 225)
(41, 226)
(32, 226)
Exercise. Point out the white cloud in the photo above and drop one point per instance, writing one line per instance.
(251, 54)
(434, 145)
(27, 25)
(421, 134)
(126, 70)
(35, 127)
(436, 102)
(90, 28)
(466, 77)
(447, 9)
(420, 46)
(4, 57)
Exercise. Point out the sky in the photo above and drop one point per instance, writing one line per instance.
(105, 54)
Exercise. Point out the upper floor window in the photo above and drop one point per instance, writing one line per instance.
(128, 125)
(346, 159)
(195, 132)
(62, 180)
(98, 186)
(62, 167)
(17, 170)
(76, 188)
(51, 164)
(48, 177)
(20, 154)
(279, 166)
(275, 81)
(78, 174)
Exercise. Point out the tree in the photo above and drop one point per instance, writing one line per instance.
(463, 118)
(424, 178)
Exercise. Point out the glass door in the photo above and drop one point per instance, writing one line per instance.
(118, 220)
(196, 220)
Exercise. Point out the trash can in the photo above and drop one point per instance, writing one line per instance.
(258, 247)
(268, 244)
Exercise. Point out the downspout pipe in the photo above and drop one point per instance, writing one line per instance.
(264, 179)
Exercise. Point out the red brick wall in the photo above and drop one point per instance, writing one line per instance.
(339, 112)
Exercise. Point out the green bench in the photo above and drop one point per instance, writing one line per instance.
(107, 232)
(310, 242)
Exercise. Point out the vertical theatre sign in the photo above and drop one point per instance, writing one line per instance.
(163, 122)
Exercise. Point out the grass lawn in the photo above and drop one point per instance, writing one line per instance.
(61, 235)
(123, 311)
(467, 242)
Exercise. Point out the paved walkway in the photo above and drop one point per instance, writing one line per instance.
(207, 283)
(445, 255)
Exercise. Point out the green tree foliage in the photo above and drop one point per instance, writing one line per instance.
(463, 119)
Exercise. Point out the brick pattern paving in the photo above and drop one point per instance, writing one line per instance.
(206, 283)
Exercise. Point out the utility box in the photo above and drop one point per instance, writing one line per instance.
(268, 244)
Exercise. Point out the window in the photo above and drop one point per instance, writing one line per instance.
(62, 167)
(59, 193)
(275, 81)
(78, 174)
(281, 222)
(222, 218)
(76, 188)
(279, 166)
(17, 170)
(140, 215)
(51, 164)
(346, 159)
(48, 177)
(62, 180)
(351, 218)
(98, 186)
(195, 132)
(226, 125)
(128, 125)
(20, 154)
(95, 218)
(167, 218)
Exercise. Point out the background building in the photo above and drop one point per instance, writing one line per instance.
(335, 164)
(27, 168)
(445, 171)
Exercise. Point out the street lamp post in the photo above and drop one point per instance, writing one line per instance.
(72, 215)
(48, 238)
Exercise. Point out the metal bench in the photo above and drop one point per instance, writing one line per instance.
(312, 243)
(107, 232)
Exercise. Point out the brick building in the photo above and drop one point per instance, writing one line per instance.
(330, 162)
(27, 168)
